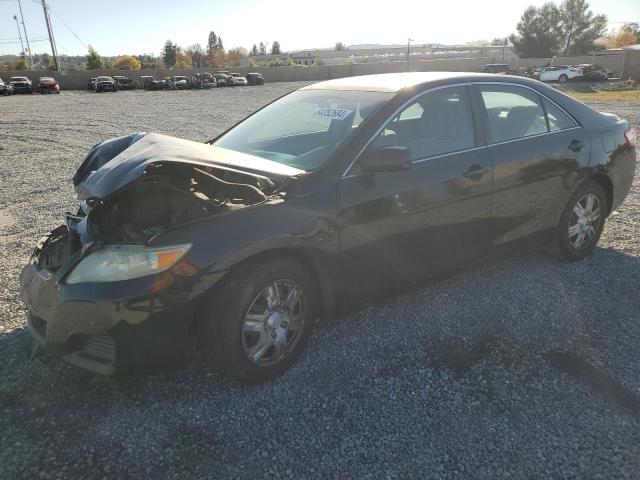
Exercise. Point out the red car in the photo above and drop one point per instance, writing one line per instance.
(48, 85)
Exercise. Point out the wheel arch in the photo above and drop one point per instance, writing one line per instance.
(607, 185)
(311, 260)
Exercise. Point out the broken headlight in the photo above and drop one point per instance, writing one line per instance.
(123, 262)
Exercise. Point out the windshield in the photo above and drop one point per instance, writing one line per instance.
(19, 79)
(104, 79)
(304, 128)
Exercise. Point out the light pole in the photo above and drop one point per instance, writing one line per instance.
(20, 36)
(51, 39)
(26, 37)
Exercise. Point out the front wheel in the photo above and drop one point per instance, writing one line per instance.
(256, 325)
(563, 78)
(582, 221)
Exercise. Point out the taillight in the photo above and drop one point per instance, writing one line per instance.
(630, 137)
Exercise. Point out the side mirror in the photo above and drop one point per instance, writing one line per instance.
(385, 159)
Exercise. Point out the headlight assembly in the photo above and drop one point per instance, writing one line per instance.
(114, 263)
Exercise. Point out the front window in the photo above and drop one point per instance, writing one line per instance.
(18, 79)
(304, 128)
(105, 79)
(437, 123)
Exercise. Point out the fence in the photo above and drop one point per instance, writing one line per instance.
(623, 64)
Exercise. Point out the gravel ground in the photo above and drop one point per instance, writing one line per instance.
(521, 367)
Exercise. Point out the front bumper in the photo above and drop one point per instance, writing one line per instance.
(109, 327)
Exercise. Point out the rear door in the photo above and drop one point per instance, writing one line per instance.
(537, 151)
(399, 227)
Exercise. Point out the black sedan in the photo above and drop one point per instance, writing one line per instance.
(105, 84)
(330, 195)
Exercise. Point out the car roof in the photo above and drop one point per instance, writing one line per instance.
(394, 82)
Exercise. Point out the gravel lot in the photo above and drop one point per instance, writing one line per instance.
(521, 367)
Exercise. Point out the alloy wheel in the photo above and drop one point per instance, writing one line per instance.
(274, 322)
(584, 221)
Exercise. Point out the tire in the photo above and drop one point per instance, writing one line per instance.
(229, 338)
(563, 78)
(569, 246)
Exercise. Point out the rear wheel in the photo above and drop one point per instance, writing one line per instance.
(258, 323)
(563, 78)
(582, 221)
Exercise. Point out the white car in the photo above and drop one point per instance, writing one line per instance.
(237, 79)
(560, 73)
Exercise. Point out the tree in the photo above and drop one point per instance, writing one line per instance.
(183, 60)
(127, 62)
(579, 26)
(500, 42)
(254, 50)
(628, 34)
(234, 55)
(94, 61)
(198, 57)
(212, 44)
(169, 53)
(339, 47)
(538, 31)
(275, 48)
(220, 44)
(262, 49)
(22, 63)
(218, 59)
(46, 62)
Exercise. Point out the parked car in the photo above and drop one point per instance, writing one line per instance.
(124, 83)
(144, 82)
(105, 84)
(5, 88)
(594, 73)
(559, 73)
(222, 79)
(334, 193)
(255, 78)
(21, 85)
(495, 68)
(203, 80)
(238, 80)
(48, 85)
(179, 82)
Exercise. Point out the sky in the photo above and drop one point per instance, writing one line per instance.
(142, 26)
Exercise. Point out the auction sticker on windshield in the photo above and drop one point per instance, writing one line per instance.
(333, 113)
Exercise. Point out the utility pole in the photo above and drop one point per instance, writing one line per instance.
(51, 39)
(19, 35)
(408, 48)
(26, 37)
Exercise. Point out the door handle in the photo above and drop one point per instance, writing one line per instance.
(575, 145)
(475, 171)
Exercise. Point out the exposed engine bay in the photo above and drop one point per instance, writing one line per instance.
(172, 194)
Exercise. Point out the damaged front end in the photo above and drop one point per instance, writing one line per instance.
(101, 290)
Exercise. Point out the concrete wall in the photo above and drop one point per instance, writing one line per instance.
(78, 80)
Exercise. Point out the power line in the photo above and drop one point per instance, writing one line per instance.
(68, 27)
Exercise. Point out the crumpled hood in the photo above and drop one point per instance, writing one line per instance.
(115, 163)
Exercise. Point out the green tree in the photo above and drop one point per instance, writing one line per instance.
(254, 50)
(169, 53)
(46, 62)
(22, 63)
(539, 31)
(94, 61)
(275, 48)
(579, 26)
(220, 44)
(212, 43)
(340, 47)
